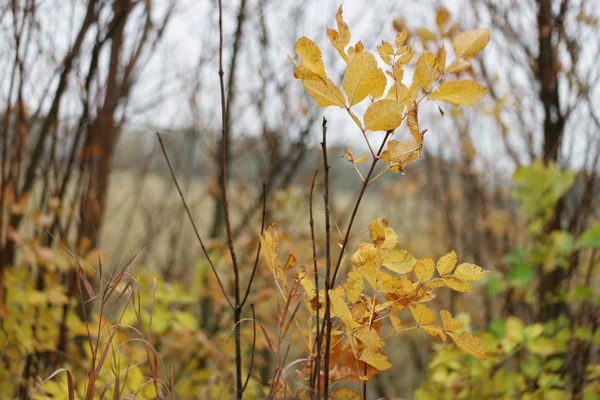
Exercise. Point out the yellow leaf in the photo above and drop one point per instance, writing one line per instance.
(363, 78)
(290, 262)
(442, 17)
(424, 269)
(377, 231)
(435, 331)
(270, 246)
(369, 337)
(348, 155)
(400, 153)
(354, 284)
(435, 283)
(449, 323)
(375, 359)
(469, 272)
(425, 71)
(457, 284)
(422, 314)
(459, 92)
(324, 92)
(385, 52)
(446, 263)
(340, 39)
(425, 34)
(470, 344)
(440, 59)
(341, 310)
(401, 36)
(384, 115)
(396, 322)
(469, 43)
(399, 261)
(397, 92)
(412, 120)
(311, 64)
(345, 394)
(456, 66)
(362, 159)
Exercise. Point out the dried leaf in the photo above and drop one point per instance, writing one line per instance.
(422, 314)
(324, 92)
(457, 284)
(469, 43)
(456, 66)
(375, 359)
(459, 92)
(385, 52)
(446, 263)
(440, 59)
(449, 323)
(424, 269)
(384, 115)
(311, 64)
(354, 284)
(399, 261)
(341, 310)
(425, 71)
(469, 272)
(363, 78)
(412, 120)
(470, 344)
(400, 153)
(340, 39)
(442, 17)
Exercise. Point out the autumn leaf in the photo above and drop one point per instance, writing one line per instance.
(341, 310)
(424, 269)
(369, 337)
(456, 66)
(400, 153)
(385, 52)
(470, 344)
(324, 93)
(459, 92)
(345, 394)
(363, 78)
(412, 120)
(422, 314)
(340, 38)
(399, 261)
(469, 43)
(270, 246)
(396, 322)
(425, 71)
(311, 64)
(440, 59)
(442, 17)
(449, 323)
(435, 331)
(446, 263)
(457, 284)
(469, 272)
(375, 359)
(384, 115)
(354, 284)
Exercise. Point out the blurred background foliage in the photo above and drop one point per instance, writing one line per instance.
(100, 272)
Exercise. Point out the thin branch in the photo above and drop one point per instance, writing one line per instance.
(253, 347)
(162, 146)
(317, 366)
(262, 231)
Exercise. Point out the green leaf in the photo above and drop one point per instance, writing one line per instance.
(591, 237)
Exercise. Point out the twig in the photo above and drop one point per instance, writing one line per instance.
(262, 231)
(162, 146)
(315, 381)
